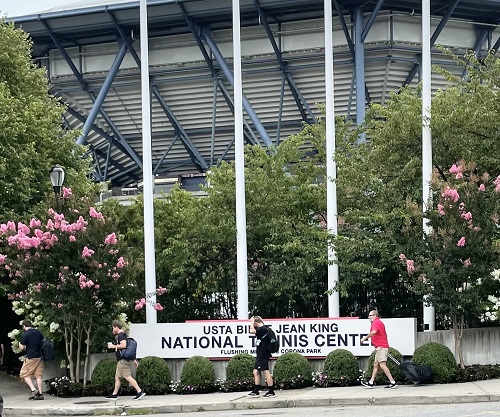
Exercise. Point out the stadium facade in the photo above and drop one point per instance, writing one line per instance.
(92, 56)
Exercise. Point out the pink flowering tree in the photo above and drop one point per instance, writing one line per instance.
(453, 264)
(67, 274)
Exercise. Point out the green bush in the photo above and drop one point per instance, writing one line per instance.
(153, 375)
(292, 370)
(341, 366)
(440, 359)
(197, 376)
(396, 373)
(104, 374)
(239, 373)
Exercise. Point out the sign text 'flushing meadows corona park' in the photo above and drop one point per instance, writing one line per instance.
(226, 338)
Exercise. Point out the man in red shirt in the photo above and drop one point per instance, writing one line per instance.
(381, 344)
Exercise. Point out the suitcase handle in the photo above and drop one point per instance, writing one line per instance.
(393, 359)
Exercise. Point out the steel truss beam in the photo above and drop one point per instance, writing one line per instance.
(305, 110)
(435, 35)
(250, 137)
(88, 122)
(193, 152)
(205, 34)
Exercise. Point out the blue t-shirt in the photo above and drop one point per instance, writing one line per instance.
(32, 339)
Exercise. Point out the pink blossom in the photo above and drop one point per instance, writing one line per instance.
(110, 239)
(461, 242)
(441, 210)
(59, 305)
(97, 286)
(454, 169)
(158, 307)
(467, 262)
(467, 216)
(95, 214)
(87, 253)
(160, 290)
(140, 303)
(410, 266)
(497, 184)
(451, 194)
(2, 259)
(35, 223)
(72, 238)
(402, 256)
(66, 192)
(481, 187)
(459, 176)
(121, 262)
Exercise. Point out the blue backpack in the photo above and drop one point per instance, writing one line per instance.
(130, 352)
(48, 350)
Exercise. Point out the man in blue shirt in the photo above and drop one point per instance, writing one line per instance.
(31, 340)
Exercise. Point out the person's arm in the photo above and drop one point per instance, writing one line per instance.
(252, 326)
(365, 338)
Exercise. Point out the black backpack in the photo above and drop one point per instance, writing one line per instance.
(130, 352)
(48, 350)
(274, 343)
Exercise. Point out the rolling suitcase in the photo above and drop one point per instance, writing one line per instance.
(413, 372)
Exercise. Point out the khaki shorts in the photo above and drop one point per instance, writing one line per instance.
(32, 367)
(123, 369)
(381, 354)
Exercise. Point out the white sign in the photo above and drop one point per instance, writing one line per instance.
(219, 339)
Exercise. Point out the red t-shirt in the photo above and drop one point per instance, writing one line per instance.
(379, 339)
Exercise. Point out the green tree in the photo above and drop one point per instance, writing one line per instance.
(32, 139)
(377, 178)
(287, 240)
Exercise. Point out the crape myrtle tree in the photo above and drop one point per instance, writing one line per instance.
(68, 274)
(376, 179)
(32, 139)
(454, 264)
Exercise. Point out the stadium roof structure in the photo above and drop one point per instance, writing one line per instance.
(93, 63)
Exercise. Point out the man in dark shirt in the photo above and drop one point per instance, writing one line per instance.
(31, 340)
(123, 367)
(259, 329)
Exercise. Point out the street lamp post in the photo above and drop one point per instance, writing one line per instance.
(57, 179)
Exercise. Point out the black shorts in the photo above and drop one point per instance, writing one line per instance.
(262, 364)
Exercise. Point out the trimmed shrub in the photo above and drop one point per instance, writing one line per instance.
(292, 370)
(197, 376)
(153, 375)
(239, 373)
(381, 378)
(104, 374)
(440, 359)
(341, 367)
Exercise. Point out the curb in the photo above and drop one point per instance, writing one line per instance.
(251, 405)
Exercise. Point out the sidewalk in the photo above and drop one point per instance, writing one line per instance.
(16, 402)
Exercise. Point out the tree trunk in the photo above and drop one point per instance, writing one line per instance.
(458, 330)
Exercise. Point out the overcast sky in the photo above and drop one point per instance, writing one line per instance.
(13, 8)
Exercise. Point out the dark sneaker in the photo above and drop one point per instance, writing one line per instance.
(38, 396)
(139, 395)
(367, 384)
(32, 396)
(269, 395)
(253, 394)
(112, 397)
(392, 385)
